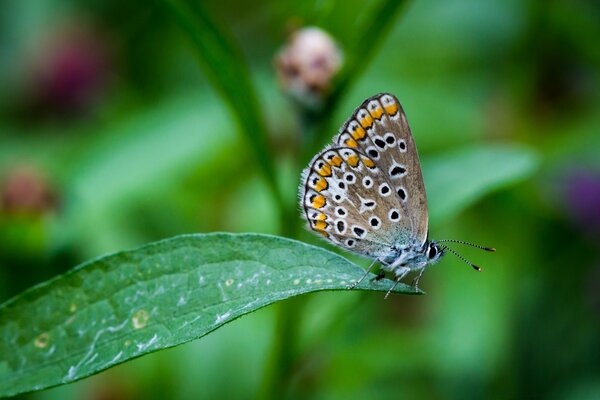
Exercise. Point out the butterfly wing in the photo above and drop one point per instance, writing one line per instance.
(344, 199)
(379, 129)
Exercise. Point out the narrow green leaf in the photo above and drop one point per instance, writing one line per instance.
(371, 36)
(124, 305)
(226, 68)
(459, 178)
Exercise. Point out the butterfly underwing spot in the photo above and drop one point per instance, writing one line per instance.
(341, 211)
(366, 205)
(333, 159)
(375, 222)
(402, 145)
(318, 183)
(397, 171)
(384, 189)
(340, 226)
(320, 225)
(359, 231)
(356, 131)
(350, 242)
(367, 182)
(369, 163)
(323, 168)
(402, 193)
(379, 142)
(351, 158)
(347, 140)
(318, 216)
(350, 178)
(390, 105)
(390, 139)
(364, 118)
(394, 215)
(338, 198)
(342, 185)
(373, 153)
(375, 109)
(317, 201)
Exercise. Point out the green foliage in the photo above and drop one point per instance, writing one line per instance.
(458, 178)
(224, 64)
(121, 306)
(153, 168)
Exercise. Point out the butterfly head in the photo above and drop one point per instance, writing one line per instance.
(433, 251)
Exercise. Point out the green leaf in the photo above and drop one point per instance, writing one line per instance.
(459, 178)
(226, 68)
(127, 304)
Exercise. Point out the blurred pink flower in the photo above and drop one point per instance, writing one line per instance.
(24, 190)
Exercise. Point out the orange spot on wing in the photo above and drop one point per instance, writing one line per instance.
(376, 112)
(321, 217)
(336, 161)
(368, 162)
(358, 133)
(391, 109)
(325, 170)
(321, 184)
(352, 160)
(351, 142)
(318, 201)
(366, 121)
(320, 225)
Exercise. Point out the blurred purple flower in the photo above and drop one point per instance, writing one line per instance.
(582, 194)
(71, 72)
(26, 191)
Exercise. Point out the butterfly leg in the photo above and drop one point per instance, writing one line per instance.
(415, 282)
(364, 276)
(401, 273)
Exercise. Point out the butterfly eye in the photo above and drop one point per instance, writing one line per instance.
(432, 251)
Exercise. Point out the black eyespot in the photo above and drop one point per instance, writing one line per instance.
(374, 222)
(432, 251)
(402, 145)
(390, 139)
(380, 143)
(397, 170)
(394, 215)
(338, 197)
(402, 193)
(373, 153)
(341, 226)
(341, 211)
(350, 242)
(342, 185)
(369, 203)
(384, 189)
(349, 178)
(358, 231)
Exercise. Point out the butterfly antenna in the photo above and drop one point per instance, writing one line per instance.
(475, 267)
(491, 249)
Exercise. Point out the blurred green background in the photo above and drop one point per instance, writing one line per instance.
(111, 136)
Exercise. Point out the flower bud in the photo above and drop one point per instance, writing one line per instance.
(307, 64)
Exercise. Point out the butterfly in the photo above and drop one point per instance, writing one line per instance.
(365, 193)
